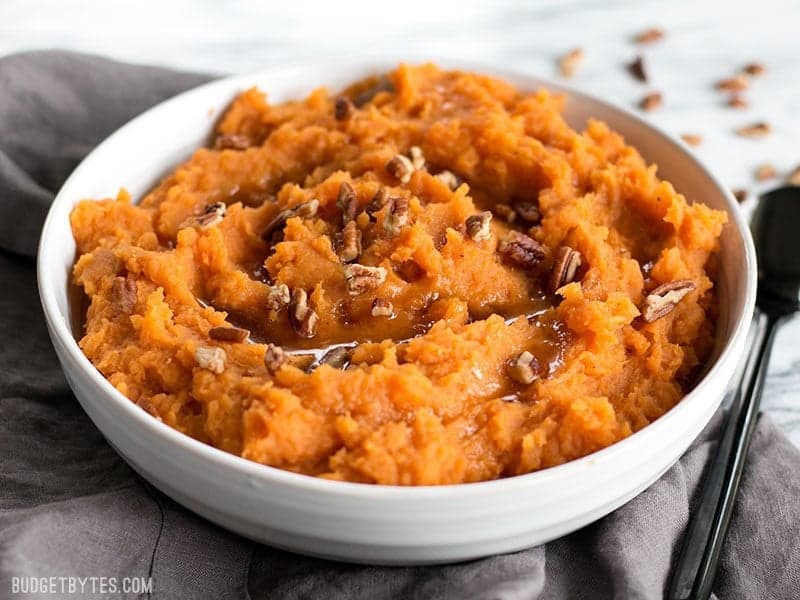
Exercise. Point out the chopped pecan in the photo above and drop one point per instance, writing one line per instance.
(569, 62)
(123, 294)
(338, 358)
(651, 101)
(449, 178)
(302, 317)
(765, 172)
(409, 271)
(275, 225)
(278, 296)
(228, 334)
(505, 212)
(382, 308)
(648, 36)
(397, 216)
(524, 369)
(478, 228)
(343, 108)
(521, 249)
(754, 68)
(210, 358)
(212, 215)
(692, 139)
(274, 358)
(400, 167)
(378, 201)
(740, 194)
(351, 242)
(528, 211)
(637, 70)
(754, 130)
(417, 158)
(737, 83)
(360, 278)
(347, 202)
(663, 300)
(306, 210)
(565, 267)
(233, 141)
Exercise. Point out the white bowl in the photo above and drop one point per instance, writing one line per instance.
(372, 523)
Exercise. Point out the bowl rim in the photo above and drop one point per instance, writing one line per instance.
(574, 468)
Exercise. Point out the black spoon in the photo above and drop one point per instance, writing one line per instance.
(774, 227)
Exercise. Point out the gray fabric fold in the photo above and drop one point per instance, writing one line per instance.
(69, 506)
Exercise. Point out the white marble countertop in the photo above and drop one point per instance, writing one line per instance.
(705, 41)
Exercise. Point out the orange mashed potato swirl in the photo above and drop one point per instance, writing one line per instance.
(410, 218)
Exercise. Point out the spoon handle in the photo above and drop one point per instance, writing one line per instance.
(697, 564)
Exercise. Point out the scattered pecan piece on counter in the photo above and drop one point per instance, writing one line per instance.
(478, 228)
(274, 358)
(123, 294)
(663, 299)
(755, 130)
(524, 369)
(397, 217)
(648, 36)
(637, 70)
(302, 317)
(738, 102)
(343, 108)
(568, 64)
(565, 267)
(361, 279)
(692, 139)
(228, 334)
(382, 308)
(651, 101)
(400, 167)
(521, 249)
(754, 68)
(737, 83)
(765, 172)
(210, 358)
(233, 141)
(351, 242)
(740, 194)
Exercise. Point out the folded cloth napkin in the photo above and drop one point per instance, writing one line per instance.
(69, 506)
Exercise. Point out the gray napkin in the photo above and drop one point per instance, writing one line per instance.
(70, 507)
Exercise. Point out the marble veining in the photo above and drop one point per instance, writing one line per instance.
(705, 41)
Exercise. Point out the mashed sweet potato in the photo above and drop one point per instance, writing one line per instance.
(330, 289)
